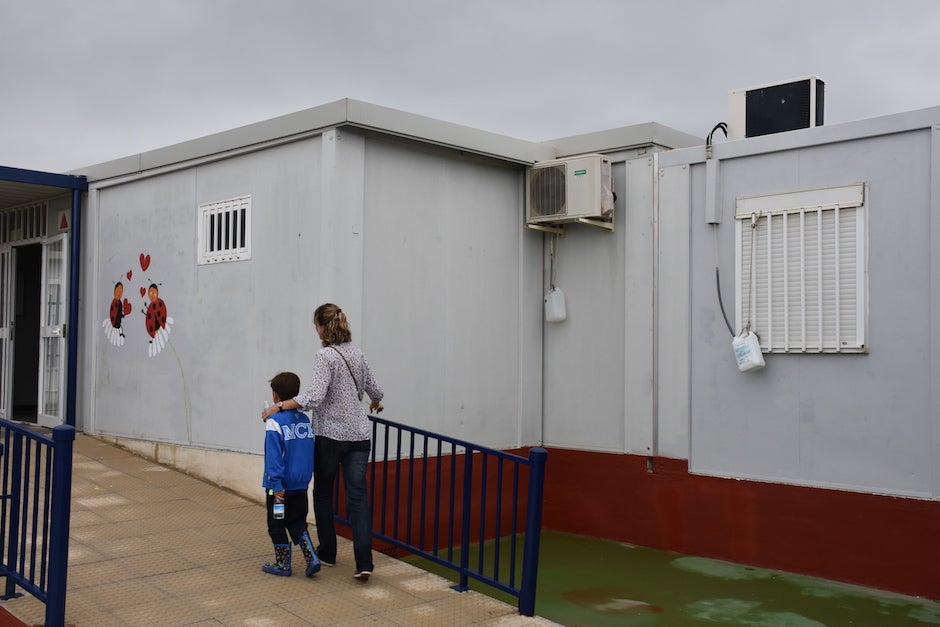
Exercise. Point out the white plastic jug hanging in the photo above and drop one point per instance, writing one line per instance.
(555, 305)
(747, 350)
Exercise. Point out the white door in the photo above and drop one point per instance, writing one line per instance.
(7, 313)
(53, 303)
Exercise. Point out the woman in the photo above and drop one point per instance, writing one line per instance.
(343, 432)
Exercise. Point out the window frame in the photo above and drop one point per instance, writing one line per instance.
(814, 299)
(221, 238)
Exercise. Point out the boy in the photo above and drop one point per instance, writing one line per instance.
(288, 466)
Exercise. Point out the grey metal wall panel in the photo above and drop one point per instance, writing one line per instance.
(673, 312)
(853, 421)
(441, 290)
(597, 361)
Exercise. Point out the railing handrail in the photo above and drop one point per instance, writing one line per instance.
(28, 432)
(445, 514)
(450, 440)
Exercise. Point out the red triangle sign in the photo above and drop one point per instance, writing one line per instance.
(64, 222)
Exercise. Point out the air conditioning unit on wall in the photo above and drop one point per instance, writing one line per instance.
(576, 189)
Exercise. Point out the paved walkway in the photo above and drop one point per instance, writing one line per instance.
(153, 546)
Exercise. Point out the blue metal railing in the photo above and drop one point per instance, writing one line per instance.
(35, 508)
(435, 496)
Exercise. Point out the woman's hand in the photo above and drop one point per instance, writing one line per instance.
(376, 406)
(267, 411)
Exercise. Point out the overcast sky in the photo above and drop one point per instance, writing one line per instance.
(89, 81)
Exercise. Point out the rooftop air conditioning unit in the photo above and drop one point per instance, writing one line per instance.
(569, 190)
(776, 107)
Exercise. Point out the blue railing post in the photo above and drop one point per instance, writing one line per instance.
(16, 495)
(533, 531)
(63, 437)
(464, 583)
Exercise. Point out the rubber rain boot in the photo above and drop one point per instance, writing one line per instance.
(281, 564)
(313, 562)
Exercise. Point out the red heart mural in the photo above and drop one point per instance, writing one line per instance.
(127, 306)
(130, 273)
(144, 262)
(143, 291)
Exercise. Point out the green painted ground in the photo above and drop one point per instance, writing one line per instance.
(583, 581)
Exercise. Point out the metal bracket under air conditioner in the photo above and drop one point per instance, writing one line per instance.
(555, 230)
(604, 224)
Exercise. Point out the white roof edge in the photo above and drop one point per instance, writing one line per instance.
(345, 112)
(623, 138)
(320, 117)
(804, 138)
(421, 128)
(348, 112)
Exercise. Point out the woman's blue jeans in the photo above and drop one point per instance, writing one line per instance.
(328, 456)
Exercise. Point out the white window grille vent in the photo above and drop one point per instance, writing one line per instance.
(225, 230)
(808, 273)
(23, 223)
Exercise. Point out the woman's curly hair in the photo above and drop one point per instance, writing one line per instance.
(333, 321)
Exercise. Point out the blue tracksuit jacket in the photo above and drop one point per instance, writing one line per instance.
(288, 451)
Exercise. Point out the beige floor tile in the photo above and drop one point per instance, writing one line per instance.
(426, 615)
(117, 481)
(238, 572)
(194, 584)
(324, 610)
(190, 537)
(235, 552)
(100, 503)
(88, 468)
(80, 553)
(83, 517)
(105, 572)
(274, 616)
(82, 487)
(134, 545)
(165, 614)
(215, 498)
(121, 594)
(158, 563)
(377, 596)
(473, 604)
(153, 495)
(517, 620)
(97, 534)
(227, 600)
(125, 511)
(81, 611)
(425, 586)
(365, 621)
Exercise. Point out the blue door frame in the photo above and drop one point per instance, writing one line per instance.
(43, 181)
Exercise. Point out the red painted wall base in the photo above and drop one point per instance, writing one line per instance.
(885, 542)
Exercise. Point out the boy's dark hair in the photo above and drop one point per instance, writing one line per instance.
(286, 385)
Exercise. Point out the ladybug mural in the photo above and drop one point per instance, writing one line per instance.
(113, 324)
(157, 321)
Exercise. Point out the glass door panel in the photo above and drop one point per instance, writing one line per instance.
(52, 342)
